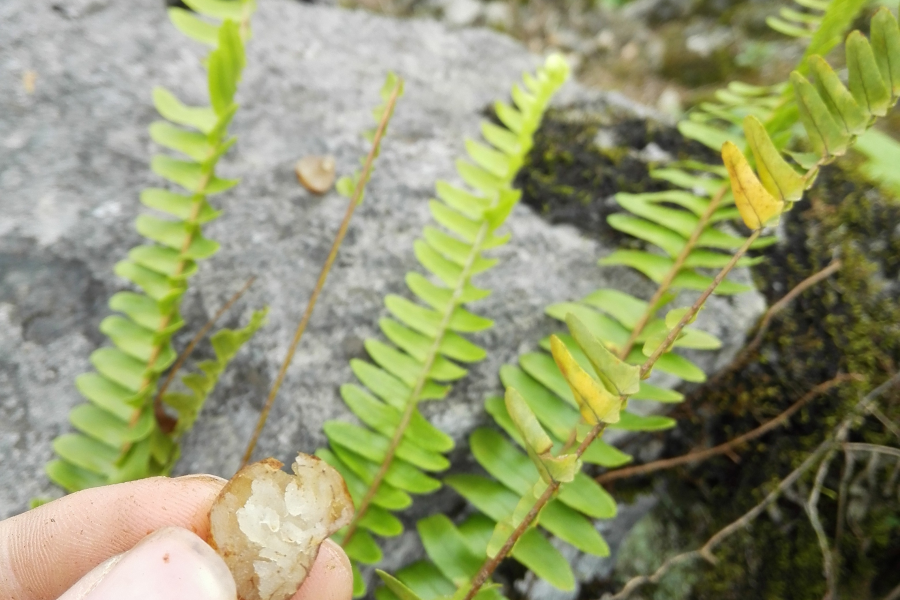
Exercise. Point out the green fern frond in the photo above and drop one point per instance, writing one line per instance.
(386, 459)
(832, 114)
(681, 223)
(801, 22)
(118, 436)
(713, 123)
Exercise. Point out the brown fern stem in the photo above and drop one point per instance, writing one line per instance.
(323, 274)
(731, 445)
(491, 565)
(199, 195)
(166, 422)
(666, 283)
(673, 334)
(663, 287)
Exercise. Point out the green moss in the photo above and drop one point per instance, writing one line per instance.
(570, 179)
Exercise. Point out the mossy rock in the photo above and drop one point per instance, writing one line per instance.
(849, 323)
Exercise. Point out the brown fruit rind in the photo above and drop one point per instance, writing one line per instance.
(268, 525)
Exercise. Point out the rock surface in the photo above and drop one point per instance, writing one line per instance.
(75, 104)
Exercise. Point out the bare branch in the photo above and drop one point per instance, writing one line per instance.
(727, 447)
(779, 306)
(812, 511)
(167, 423)
(706, 550)
(747, 351)
(860, 447)
(323, 274)
(888, 424)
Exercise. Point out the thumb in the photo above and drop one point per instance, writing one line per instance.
(170, 564)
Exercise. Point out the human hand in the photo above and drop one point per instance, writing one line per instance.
(141, 540)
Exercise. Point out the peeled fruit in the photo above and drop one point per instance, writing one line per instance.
(267, 525)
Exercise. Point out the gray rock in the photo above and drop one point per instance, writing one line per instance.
(460, 13)
(74, 155)
(499, 14)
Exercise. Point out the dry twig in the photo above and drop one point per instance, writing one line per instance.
(167, 423)
(766, 321)
(705, 551)
(729, 446)
(323, 274)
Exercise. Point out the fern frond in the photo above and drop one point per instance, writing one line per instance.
(801, 22)
(533, 421)
(832, 115)
(714, 123)
(386, 459)
(118, 436)
(555, 402)
(883, 154)
(681, 223)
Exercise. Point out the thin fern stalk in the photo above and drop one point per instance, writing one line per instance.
(161, 417)
(662, 288)
(413, 399)
(698, 304)
(193, 227)
(673, 272)
(491, 565)
(730, 445)
(355, 201)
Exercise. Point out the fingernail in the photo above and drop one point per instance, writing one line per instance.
(170, 564)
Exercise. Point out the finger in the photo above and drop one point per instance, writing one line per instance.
(171, 564)
(45, 551)
(330, 577)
